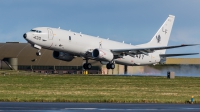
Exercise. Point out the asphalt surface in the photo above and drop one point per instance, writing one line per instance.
(96, 107)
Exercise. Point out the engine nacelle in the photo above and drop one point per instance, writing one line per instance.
(104, 62)
(102, 54)
(63, 56)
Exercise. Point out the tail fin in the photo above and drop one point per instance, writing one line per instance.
(161, 38)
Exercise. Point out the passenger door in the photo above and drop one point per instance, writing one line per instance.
(50, 34)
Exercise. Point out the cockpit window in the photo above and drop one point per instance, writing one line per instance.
(33, 30)
(37, 31)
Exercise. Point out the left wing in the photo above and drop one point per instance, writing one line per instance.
(133, 51)
(170, 55)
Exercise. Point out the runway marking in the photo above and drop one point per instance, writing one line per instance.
(105, 109)
(190, 108)
(112, 109)
(81, 108)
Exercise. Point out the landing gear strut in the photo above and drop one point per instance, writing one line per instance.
(87, 65)
(110, 66)
(38, 53)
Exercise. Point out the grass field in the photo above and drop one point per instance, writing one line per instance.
(30, 87)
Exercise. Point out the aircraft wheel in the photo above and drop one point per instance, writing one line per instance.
(38, 53)
(112, 66)
(108, 66)
(87, 66)
(84, 66)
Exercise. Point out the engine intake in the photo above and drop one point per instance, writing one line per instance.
(102, 54)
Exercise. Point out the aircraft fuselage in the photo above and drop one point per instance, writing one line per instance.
(79, 44)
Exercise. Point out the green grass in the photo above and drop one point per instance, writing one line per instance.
(31, 87)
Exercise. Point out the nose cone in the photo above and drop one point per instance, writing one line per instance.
(25, 35)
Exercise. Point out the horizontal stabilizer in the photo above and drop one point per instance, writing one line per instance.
(171, 55)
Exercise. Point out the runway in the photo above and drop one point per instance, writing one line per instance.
(95, 107)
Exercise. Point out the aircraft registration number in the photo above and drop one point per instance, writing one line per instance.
(37, 37)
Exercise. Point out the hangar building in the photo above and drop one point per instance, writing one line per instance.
(22, 56)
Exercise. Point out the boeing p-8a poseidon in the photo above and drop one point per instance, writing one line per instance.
(67, 45)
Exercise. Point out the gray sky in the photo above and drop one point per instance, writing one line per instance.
(132, 21)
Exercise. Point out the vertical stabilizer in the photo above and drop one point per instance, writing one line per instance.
(161, 38)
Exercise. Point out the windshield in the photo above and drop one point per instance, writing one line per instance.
(37, 31)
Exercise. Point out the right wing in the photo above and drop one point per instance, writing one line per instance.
(135, 51)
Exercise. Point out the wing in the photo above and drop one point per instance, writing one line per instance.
(135, 51)
(170, 55)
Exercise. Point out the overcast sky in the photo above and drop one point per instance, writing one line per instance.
(132, 21)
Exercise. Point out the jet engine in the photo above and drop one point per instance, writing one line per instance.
(63, 56)
(102, 54)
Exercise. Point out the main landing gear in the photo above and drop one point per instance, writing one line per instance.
(110, 66)
(87, 65)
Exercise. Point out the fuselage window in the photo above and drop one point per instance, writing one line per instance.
(69, 37)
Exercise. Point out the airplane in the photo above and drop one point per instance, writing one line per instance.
(67, 45)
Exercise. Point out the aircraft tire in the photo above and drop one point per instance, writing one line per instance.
(87, 66)
(108, 66)
(112, 66)
(38, 53)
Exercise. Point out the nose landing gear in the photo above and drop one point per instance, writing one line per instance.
(38, 53)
